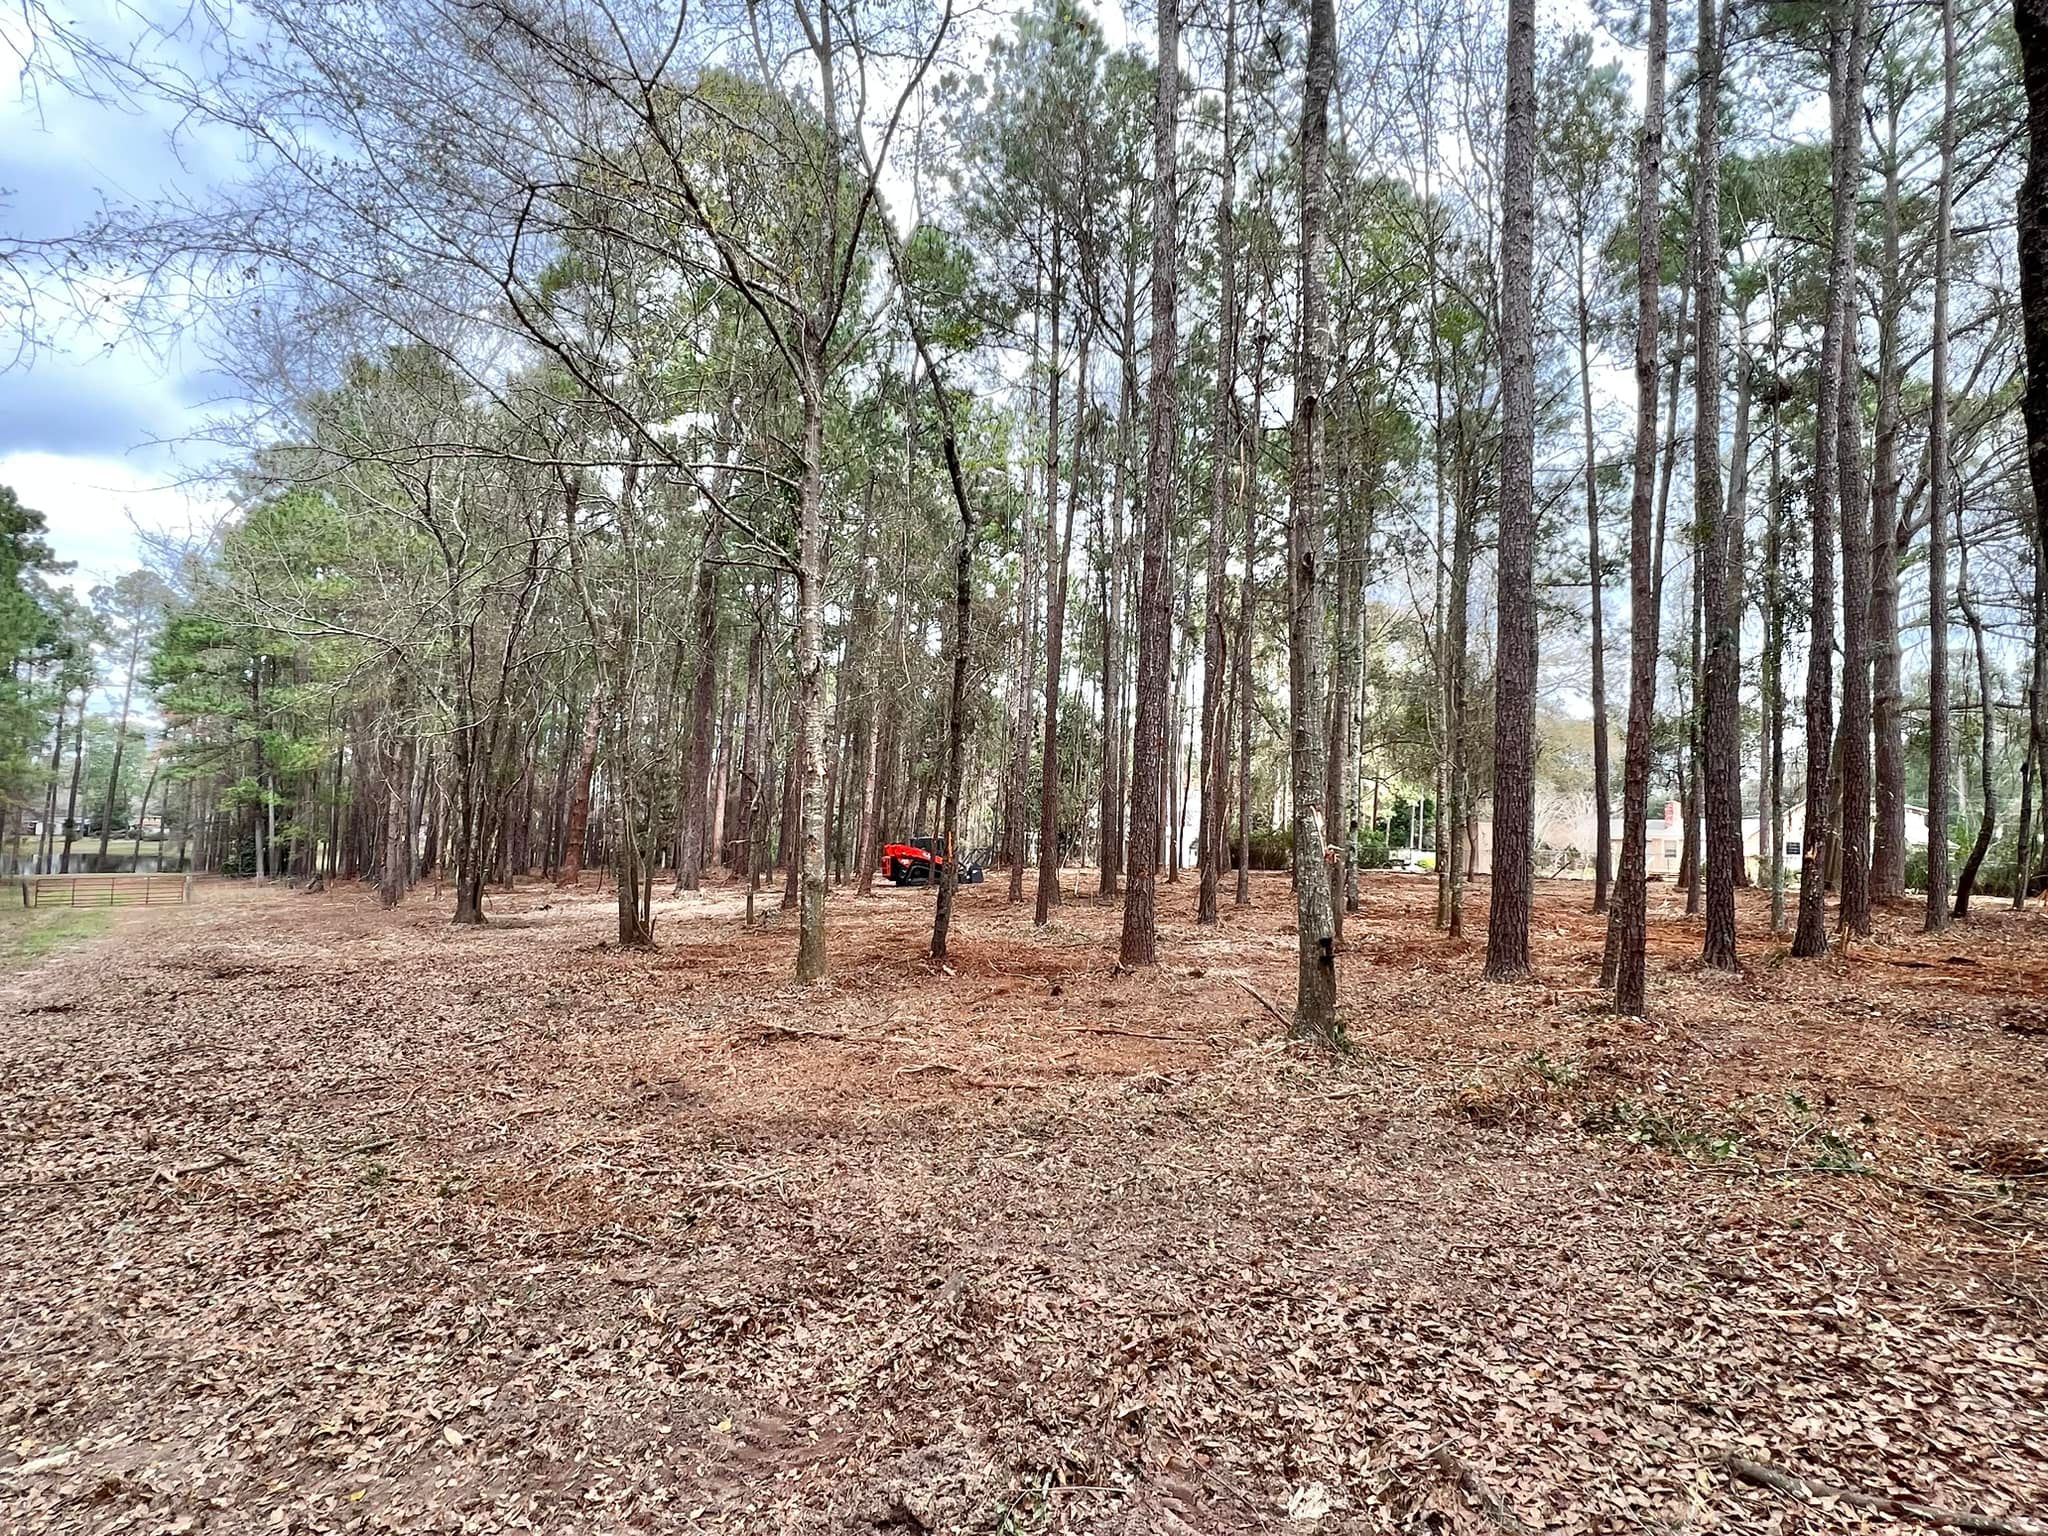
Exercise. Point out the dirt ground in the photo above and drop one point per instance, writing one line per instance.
(319, 1218)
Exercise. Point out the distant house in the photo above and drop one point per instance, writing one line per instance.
(1756, 838)
(1566, 838)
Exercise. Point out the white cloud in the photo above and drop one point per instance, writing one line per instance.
(94, 506)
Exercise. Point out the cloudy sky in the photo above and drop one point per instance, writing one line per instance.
(96, 432)
(100, 432)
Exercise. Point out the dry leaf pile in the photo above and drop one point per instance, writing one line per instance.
(320, 1218)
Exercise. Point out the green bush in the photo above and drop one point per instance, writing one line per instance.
(1272, 848)
(1373, 852)
(1995, 876)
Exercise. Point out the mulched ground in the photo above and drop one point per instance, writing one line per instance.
(318, 1218)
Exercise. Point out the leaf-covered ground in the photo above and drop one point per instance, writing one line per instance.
(318, 1218)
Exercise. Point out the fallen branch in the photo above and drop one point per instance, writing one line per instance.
(211, 1165)
(1263, 1001)
(362, 1147)
(1455, 1467)
(816, 1034)
(1766, 1476)
(1136, 1034)
(1988, 1194)
(918, 1068)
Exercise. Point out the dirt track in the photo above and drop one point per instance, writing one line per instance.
(320, 1218)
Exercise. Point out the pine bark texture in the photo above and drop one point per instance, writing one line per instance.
(1148, 745)
(1720, 786)
(1987, 793)
(1940, 754)
(1059, 549)
(1603, 797)
(2030, 22)
(1315, 1007)
(1514, 709)
(1855, 730)
(1623, 966)
(1845, 95)
(1215, 772)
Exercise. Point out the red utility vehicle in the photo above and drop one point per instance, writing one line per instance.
(920, 861)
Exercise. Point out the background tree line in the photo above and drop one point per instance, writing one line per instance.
(741, 436)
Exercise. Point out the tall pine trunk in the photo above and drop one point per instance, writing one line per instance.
(1623, 966)
(807, 755)
(2030, 22)
(1845, 98)
(1148, 768)
(1855, 726)
(1110, 814)
(1315, 1007)
(1514, 706)
(1059, 554)
(1939, 755)
(696, 791)
(1987, 817)
(1455, 800)
(577, 825)
(1603, 802)
(1888, 765)
(120, 744)
(1719, 787)
(1215, 773)
(1247, 595)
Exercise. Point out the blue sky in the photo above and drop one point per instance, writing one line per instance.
(96, 431)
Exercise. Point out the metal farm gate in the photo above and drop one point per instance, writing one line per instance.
(105, 890)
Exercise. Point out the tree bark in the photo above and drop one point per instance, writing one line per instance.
(77, 773)
(1215, 771)
(120, 743)
(1939, 753)
(46, 849)
(691, 854)
(1017, 849)
(1623, 965)
(2030, 23)
(1247, 594)
(1855, 726)
(1774, 638)
(1140, 927)
(1603, 803)
(808, 753)
(2030, 771)
(1845, 99)
(1110, 814)
(1059, 554)
(1888, 769)
(1987, 819)
(577, 826)
(1339, 811)
(1736, 582)
(394, 865)
(1720, 786)
(1455, 798)
(1514, 706)
(750, 758)
(1315, 1008)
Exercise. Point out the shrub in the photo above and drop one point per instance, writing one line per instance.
(1272, 848)
(1995, 876)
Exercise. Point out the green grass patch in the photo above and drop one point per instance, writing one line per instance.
(29, 934)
